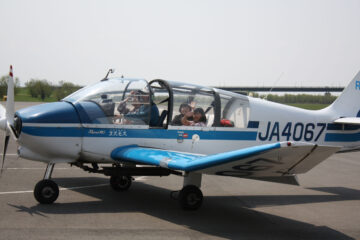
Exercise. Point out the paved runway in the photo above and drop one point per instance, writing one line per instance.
(325, 206)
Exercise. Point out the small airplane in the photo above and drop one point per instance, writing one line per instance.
(123, 127)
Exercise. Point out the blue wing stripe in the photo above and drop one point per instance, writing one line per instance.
(185, 161)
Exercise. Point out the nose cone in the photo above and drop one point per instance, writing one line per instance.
(49, 132)
(57, 112)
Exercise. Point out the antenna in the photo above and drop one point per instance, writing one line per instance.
(274, 85)
(111, 70)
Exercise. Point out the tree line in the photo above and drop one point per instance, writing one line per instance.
(40, 88)
(327, 98)
(44, 89)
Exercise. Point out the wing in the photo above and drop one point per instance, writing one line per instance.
(348, 120)
(269, 160)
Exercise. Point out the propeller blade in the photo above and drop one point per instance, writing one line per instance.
(7, 122)
(6, 142)
(10, 105)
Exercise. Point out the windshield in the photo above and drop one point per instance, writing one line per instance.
(115, 101)
(112, 87)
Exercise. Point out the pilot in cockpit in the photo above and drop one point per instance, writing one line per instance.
(140, 111)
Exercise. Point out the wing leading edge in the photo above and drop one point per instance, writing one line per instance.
(275, 159)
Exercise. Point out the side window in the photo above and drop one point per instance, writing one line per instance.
(192, 107)
(235, 112)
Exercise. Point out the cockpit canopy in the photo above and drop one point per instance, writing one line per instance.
(159, 104)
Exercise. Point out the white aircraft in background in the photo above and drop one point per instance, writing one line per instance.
(132, 127)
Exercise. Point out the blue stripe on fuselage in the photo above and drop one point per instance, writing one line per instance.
(164, 134)
(253, 124)
(342, 137)
(138, 133)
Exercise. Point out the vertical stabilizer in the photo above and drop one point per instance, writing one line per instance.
(348, 103)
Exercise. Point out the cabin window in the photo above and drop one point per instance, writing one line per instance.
(235, 111)
(189, 102)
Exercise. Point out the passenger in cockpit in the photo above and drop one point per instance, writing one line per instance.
(199, 118)
(183, 109)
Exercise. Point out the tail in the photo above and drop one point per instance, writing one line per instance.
(348, 103)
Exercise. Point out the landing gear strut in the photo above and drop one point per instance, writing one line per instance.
(46, 191)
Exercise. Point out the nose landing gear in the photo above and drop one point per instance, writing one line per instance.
(47, 191)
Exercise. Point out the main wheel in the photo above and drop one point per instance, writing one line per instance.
(190, 197)
(120, 183)
(46, 191)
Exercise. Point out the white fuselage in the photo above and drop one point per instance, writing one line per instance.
(269, 122)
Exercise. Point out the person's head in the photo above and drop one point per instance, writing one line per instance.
(199, 115)
(143, 97)
(184, 108)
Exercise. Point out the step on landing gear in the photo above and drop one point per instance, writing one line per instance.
(46, 191)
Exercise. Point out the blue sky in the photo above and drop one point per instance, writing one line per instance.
(212, 42)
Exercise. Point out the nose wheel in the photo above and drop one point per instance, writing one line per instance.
(46, 191)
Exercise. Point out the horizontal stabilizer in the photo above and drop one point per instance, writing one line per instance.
(348, 120)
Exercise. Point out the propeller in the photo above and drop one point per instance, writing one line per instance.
(6, 142)
(7, 116)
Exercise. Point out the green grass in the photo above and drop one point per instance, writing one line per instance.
(24, 96)
(309, 106)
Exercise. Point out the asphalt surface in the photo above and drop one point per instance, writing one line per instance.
(325, 206)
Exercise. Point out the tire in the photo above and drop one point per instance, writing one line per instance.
(190, 197)
(120, 183)
(46, 191)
